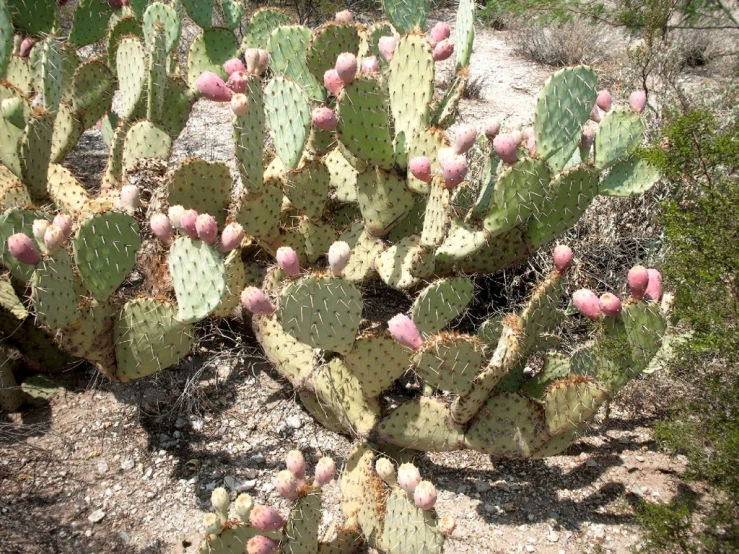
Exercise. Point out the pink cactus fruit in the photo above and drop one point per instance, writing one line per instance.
(454, 171)
(332, 82)
(492, 128)
(161, 226)
(405, 331)
(654, 287)
(39, 229)
(408, 478)
(439, 32)
(251, 55)
(587, 139)
(295, 462)
(638, 101)
(443, 50)
(64, 222)
(287, 260)
(638, 279)
(130, 197)
(26, 46)
(231, 237)
(287, 485)
(259, 544)
(505, 148)
(212, 87)
(595, 114)
(344, 17)
(256, 301)
(587, 303)
(239, 104)
(237, 82)
(346, 67)
(263, 62)
(21, 247)
(425, 495)
(117, 4)
(339, 254)
(447, 525)
(610, 304)
(420, 167)
(386, 46)
(604, 100)
(324, 118)
(53, 238)
(370, 65)
(175, 215)
(465, 139)
(188, 221)
(325, 471)
(266, 518)
(233, 65)
(386, 471)
(207, 228)
(562, 257)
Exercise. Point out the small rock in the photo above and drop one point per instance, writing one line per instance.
(640, 458)
(530, 548)
(624, 440)
(490, 508)
(180, 423)
(509, 507)
(96, 516)
(127, 464)
(251, 473)
(257, 459)
(591, 463)
(294, 422)
(482, 486)
(552, 536)
(102, 466)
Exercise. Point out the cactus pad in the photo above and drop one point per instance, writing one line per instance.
(288, 49)
(439, 303)
(202, 186)
(235, 283)
(261, 25)
(288, 116)
(307, 187)
(209, 51)
(383, 199)
(327, 43)
(260, 216)
(465, 32)
(249, 138)
(18, 221)
(377, 360)
(145, 140)
(620, 132)
(294, 358)
(54, 298)
(631, 176)
(364, 250)
(13, 193)
(450, 362)
(422, 424)
(412, 62)
(407, 15)
(570, 402)
(131, 71)
(409, 529)
(90, 22)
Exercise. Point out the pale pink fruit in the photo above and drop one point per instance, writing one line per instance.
(595, 114)
(346, 67)
(26, 46)
(130, 197)
(439, 32)
(604, 100)
(654, 287)
(175, 215)
(332, 82)
(344, 17)
(638, 101)
(212, 87)
(324, 118)
(465, 139)
(53, 238)
(207, 228)
(256, 301)
(39, 229)
(263, 63)
(587, 139)
(295, 462)
(528, 132)
(64, 222)
(531, 144)
(161, 226)
(420, 168)
(610, 304)
(287, 260)
(587, 303)
(239, 105)
(562, 257)
(443, 50)
(386, 46)
(425, 495)
(287, 485)
(21, 247)
(517, 137)
(266, 518)
(339, 254)
(259, 544)
(505, 148)
(233, 65)
(386, 471)
(638, 279)
(251, 55)
(370, 65)
(408, 478)
(454, 171)
(231, 237)
(325, 471)
(404, 331)
(237, 82)
(187, 223)
(492, 128)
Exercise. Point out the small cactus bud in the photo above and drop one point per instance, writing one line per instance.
(175, 216)
(425, 495)
(654, 287)
(243, 505)
(212, 524)
(386, 471)
(562, 257)
(26, 46)
(295, 462)
(259, 544)
(332, 82)
(638, 279)
(233, 65)
(324, 118)
(610, 304)
(287, 485)
(517, 137)
(465, 139)
(346, 67)
(266, 518)
(420, 167)
(130, 198)
(405, 331)
(587, 139)
(492, 128)
(370, 65)
(263, 63)
(443, 50)
(439, 32)
(638, 101)
(188, 221)
(21, 247)
(64, 222)
(256, 301)
(231, 237)
(408, 478)
(339, 254)
(237, 83)
(587, 303)
(344, 17)
(212, 87)
(53, 238)
(251, 55)
(604, 100)
(325, 471)
(386, 46)
(39, 229)
(161, 226)
(239, 104)
(454, 171)
(447, 525)
(505, 148)
(219, 500)
(595, 114)
(287, 260)
(207, 228)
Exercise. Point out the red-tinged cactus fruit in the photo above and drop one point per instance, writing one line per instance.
(610, 304)
(325, 472)
(332, 82)
(266, 518)
(454, 171)
(53, 238)
(263, 63)
(233, 65)
(212, 87)
(188, 218)
(638, 280)
(240, 104)
(26, 46)
(447, 525)
(595, 114)
(237, 82)
(130, 198)
(370, 65)
(638, 101)
(654, 287)
(339, 254)
(492, 129)
(604, 100)
(287, 260)
(404, 331)
(161, 226)
(64, 222)
(465, 138)
(386, 471)
(324, 118)
(505, 148)
(39, 229)
(587, 139)
(295, 462)
(425, 495)
(443, 50)
(260, 544)
(562, 257)
(408, 478)
(587, 303)
(287, 485)
(231, 237)
(251, 55)
(439, 32)
(175, 215)
(21, 247)
(346, 67)
(207, 228)
(344, 17)
(254, 300)
(118, 4)
(386, 46)
(420, 168)
(212, 524)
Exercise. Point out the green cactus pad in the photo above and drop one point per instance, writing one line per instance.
(91, 92)
(412, 223)
(437, 216)
(364, 250)
(323, 413)
(53, 293)
(10, 305)
(462, 241)
(233, 12)
(645, 327)
(34, 153)
(464, 32)
(412, 62)
(409, 529)
(327, 43)
(446, 110)
(90, 22)
(323, 313)
(178, 102)
(563, 107)
(91, 337)
(19, 73)
(37, 17)
(114, 167)
(405, 264)
(490, 329)
(629, 177)
(570, 402)
(148, 338)
(406, 15)
(170, 20)
(131, 71)
(363, 493)
(439, 303)
(105, 251)
(288, 50)
(307, 187)
(202, 186)
(377, 360)
(65, 190)
(620, 132)
(383, 199)
(450, 362)
(156, 82)
(47, 62)
(422, 424)
(6, 37)
(541, 314)
(364, 124)
(200, 11)
(249, 138)
(343, 177)
(199, 278)
(260, 216)
(12, 126)
(231, 540)
(145, 140)
(301, 531)
(292, 358)
(119, 29)
(288, 117)
(261, 25)
(235, 283)
(556, 367)
(208, 52)
(18, 221)
(559, 443)
(13, 193)
(319, 237)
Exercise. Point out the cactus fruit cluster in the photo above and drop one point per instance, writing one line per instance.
(347, 191)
